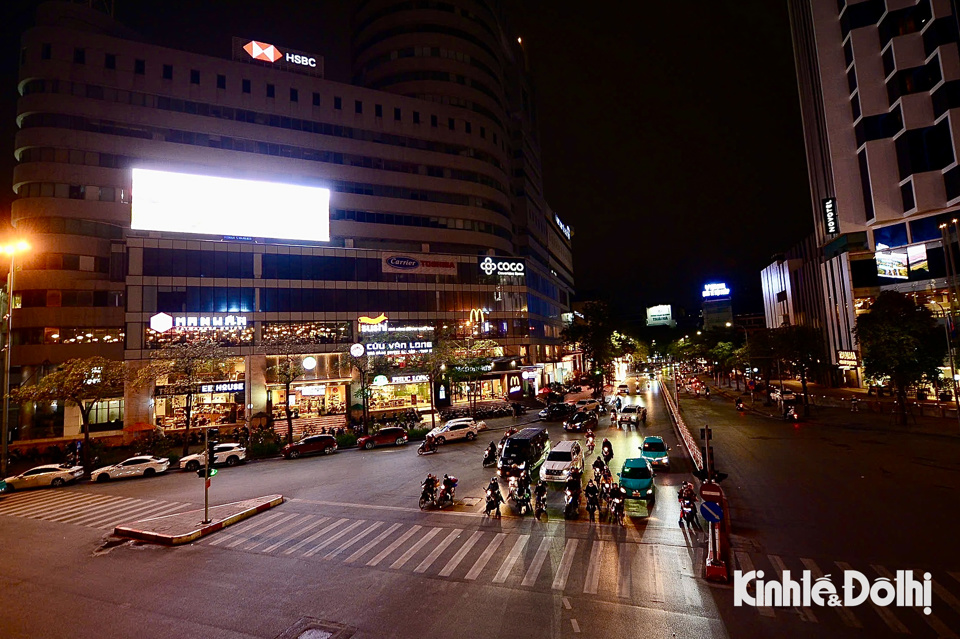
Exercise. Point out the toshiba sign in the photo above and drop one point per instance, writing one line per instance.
(285, 59)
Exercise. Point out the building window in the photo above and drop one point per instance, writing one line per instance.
(494, 138)
(271, 91)
(316, 99)
(416, 117)
(357, 106)
(194, 76)
(451, 124)
(378, 110)
(483, 133)
(396, 114)
(168, 72)
(337, 103)
(245, 84)
(906, 194)
(80, 56)
(140, 67)
(433, 120)
(46, 51)
(466, 127)
(865, 186)
(294, 95)
(221, 81)
(110, 61)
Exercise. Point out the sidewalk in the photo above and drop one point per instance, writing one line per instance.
(873, 414)
(182, 528)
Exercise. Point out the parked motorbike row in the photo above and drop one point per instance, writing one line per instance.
(484, 412)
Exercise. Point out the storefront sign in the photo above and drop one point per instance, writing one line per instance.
(409, 379)
(563, 227)
(661, 315)
(849, 359)
(380, 324)
(309, 363)
(530, 374)
(716, 290)
(380, 380)
(831, 225)
(357, 350)
(514, 386)
(313, 391)
(213, 387)
(477, 316)
(95, 376)
(162, 322)
(425, 264)
(502, 266)
(399, 348)
(286, 59)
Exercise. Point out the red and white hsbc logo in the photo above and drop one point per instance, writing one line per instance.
(270, 53)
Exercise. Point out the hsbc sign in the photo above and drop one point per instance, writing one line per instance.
(286, 59)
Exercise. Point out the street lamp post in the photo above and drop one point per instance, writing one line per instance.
(746, 343)
(19, 246)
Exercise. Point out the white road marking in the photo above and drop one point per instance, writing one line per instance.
(239, 530)
(432, 557)
(485, 556)
(646, 564)
(624, 576)
(805, 613)
(746, 565)
(303, 530)
(592, 581)
(31, 502)
(533, 571)
(303, 542)
(293, 524)
(511, 559)
(563, 571)
(360, 535)
(566, 602)
(576, 626)
(399, 541)
(932, 620)
(457, 558)
(263, 529)
(370, 545)
(167, 509)
(846, 615)
(337, 535)
(61, 514)
(131, 514)
(97, 511)
(405, 557)
(892, 622)
(59, 508)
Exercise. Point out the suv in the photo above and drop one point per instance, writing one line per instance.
(325, 444)
(588, 404)
(229, 454)
(559, 410)
(566, 457)
(383, 437)
(633, 414)
(459, 428)
(524, 451)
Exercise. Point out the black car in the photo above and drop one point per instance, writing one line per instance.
(556, 412)
(582, 421)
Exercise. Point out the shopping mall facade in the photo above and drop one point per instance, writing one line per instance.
(169, 196)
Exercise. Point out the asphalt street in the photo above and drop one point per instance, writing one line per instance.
(351, 547)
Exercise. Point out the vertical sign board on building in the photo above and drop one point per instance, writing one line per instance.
(831, 225)
(514, 385)
(848, 359)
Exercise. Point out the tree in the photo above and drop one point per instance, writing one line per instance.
(900, 340)
(367, 367)
(470, 359)
(288, 369)
(722, 354)
(185, 367)
(593, 332)
(434, 363)
(82, 382)
(802, 347)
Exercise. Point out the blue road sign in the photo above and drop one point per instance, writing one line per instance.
(711, 511)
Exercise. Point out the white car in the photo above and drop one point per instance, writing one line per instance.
(460, 428)
(55, 475)
(229, 454)
(141, 466)
(787, 395)
(588, 404)
(562, 460)
(633, 414)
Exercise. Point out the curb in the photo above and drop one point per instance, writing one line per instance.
(212, 527)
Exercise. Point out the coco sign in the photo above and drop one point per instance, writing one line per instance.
(502, 266)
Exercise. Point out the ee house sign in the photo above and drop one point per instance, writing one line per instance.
(502, 266)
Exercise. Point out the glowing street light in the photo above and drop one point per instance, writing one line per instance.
(11, 249)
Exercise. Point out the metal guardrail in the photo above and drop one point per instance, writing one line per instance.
(693, 449)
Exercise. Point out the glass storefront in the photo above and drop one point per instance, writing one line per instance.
(217, 401)
(310, 398)
(401, 392)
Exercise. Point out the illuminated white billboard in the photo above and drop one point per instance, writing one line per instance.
(661, 315)
(207, 205)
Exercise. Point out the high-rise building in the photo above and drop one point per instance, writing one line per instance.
(169, 194)
(878, 86)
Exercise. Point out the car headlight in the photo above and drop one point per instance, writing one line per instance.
(650, 492)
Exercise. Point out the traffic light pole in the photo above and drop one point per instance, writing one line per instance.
(206, 479)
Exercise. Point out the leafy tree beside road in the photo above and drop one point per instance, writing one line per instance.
(902, 341)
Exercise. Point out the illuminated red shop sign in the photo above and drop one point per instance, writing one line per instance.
(282, 58)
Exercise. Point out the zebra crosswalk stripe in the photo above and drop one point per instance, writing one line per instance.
(746, 565)
(302, 531)
(592, 580)
(355, 539)
(485, 556)
(645, 564)
(263, 529)
(135, 512)
(888, 618)
(805, 613)
(303, 542)
(932, 620)
(566, 561)
(447, 570)
(399, 541)
(253, 523)
(405, 557)
(624, 577)
(21, 509)
(846, 615)
(370, 545)
(534, 570)
(432, 557)
(98, 510)
(337, 535)
(511, 559)
(55, 511)
(293, 523)
(160, 512)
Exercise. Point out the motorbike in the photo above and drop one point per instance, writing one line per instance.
(493, 504)
(489, 459)
(428, 496)
(607, 453)
(616, 509)
(541, 507)
(521, 500)
(688, 513)
(593, 505)
(706, 392)
(790, 415)
(591, 444)
(445, 497)
(571, 504)
(425, 448)
(739, 404)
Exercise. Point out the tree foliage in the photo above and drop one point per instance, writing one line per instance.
(900, 340)
(81, 382)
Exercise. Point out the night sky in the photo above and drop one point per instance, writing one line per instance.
(671, 139)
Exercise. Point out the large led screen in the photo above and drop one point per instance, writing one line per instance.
(188, 203)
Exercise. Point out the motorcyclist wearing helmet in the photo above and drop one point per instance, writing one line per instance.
(449, 486)
(494, 496)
